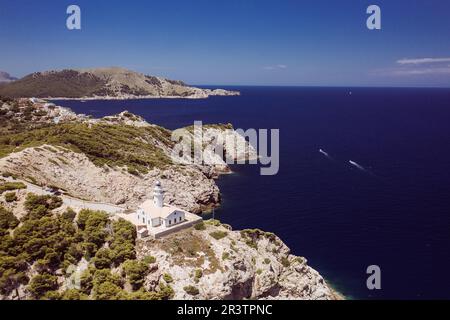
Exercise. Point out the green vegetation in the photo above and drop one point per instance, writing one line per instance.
(103, 258)
(167, 278)
(200, 226)
(8, 175)
(218, 234)
(9, 186)
(73, 294)
(41, 206)
(285, 262)
(213, 222)
(193, 291)
(42, 284)
(266, 261)
(135, 272)
(165, 292)
(69, 215)
(66, 83)
(103, 144)
(252, 244)
(107, 285)
(10, 197)
(251, 237)
(54, 242)
(225, 256)
(198, 275)
(257, 234)
(122, 241)
(7, 221)
(149, 260)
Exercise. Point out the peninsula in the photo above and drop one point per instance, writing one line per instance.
(103, 84)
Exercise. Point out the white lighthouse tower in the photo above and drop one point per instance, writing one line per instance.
(158, 195)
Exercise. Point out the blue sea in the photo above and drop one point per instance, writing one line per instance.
(395, 213)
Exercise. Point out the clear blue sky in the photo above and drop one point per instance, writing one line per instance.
(277, 42)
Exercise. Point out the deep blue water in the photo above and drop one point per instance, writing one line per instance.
(395, 215)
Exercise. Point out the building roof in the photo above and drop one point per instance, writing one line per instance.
(156, 212)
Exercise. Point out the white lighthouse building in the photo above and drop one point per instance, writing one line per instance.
(155, 213)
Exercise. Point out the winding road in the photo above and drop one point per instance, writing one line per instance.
(70, 201)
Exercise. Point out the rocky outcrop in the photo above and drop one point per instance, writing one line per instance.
(186, 186)
(223, 264)
(103, 83)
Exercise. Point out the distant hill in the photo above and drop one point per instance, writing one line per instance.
(6, 77)
(101, 83)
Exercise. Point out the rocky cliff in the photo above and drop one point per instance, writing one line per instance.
(45, 246)
(211, 261)
(88, 255)
(116, 159)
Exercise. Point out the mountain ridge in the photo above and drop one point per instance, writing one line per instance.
(103, 83)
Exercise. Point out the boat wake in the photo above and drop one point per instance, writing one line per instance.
(360, 167)
(325, 154)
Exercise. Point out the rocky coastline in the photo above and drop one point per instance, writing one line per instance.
(213, 262)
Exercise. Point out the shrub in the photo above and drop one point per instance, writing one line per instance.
(135, 272)
(9, 186)
(143, 295)
(251, 244)
(8, 175)
(149, 260)
(200, 226)
(103, 144)
(10, 197)
(165, 292)
(73, 294)
(218, 234)
(41, 284)
(11, 279)
(225, 256)
(69, 214)
(213, 222)
(87, 281)
(40, 206)
(167, 278)
(105, 275)
(266, 261)
(7, 220)
(123, 241)
(193, 291)
(103, 258)
(108, 291)
(132, 171)
(198, 274)
(285, 262)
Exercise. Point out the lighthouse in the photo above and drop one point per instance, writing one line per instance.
(158, 195)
